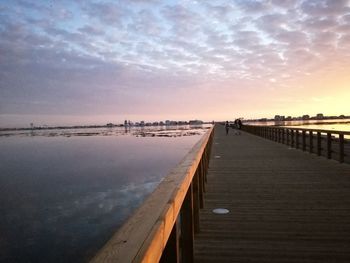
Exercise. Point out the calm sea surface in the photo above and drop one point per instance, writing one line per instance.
(64, 192)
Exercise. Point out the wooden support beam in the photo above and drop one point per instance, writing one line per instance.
(329, 145)
(171, 253)
(187, 228)
(341, 148)
(311, 141)
(297, 139)
(196, 202)
(319, 148)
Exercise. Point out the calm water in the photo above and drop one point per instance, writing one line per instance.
(64, 192)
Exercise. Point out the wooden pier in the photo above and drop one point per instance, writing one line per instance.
(285, 205)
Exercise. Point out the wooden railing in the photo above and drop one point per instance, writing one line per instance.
(328, 143)
(163, 228)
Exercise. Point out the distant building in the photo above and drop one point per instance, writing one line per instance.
(173, 123)
(167, 122)
(195, 122)
(279, 118)
(319, 116)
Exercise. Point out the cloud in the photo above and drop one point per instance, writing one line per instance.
(109, 56)
(146, 23)
(285, 3)
(325, 7)
(91, 30)
(320, 24)
(253, 6)
(292, 38)
(108, 13)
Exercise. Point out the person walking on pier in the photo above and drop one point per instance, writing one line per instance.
(227, 126)
(238, 126)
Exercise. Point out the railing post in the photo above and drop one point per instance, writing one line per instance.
(275, 132)
(319, 143)
(287, 136)
(297, 139)
(201, 184)
(196, 201)
(292, 138)
(304, 140)
(187, 229)
(311, 142)
(329, 145)
(283, 135)
(341, 148)
(171, 253)
(204, 170)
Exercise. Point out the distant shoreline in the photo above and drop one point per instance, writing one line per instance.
(96, 126)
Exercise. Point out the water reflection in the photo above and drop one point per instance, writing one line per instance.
(151, 131)
(61, 196)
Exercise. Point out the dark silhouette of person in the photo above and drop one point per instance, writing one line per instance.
(227, 126)
(239, 124)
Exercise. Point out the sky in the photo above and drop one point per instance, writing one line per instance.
(94, 62)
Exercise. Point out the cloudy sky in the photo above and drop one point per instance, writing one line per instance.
(67, 62)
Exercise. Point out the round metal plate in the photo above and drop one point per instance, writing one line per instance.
(221, 211)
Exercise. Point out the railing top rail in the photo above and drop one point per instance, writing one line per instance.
(302, 129)
(143, 237)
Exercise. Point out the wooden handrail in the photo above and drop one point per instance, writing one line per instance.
(302, 129)
(291, 136)
(154, 229)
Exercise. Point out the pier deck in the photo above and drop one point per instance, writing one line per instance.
(285, 205)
